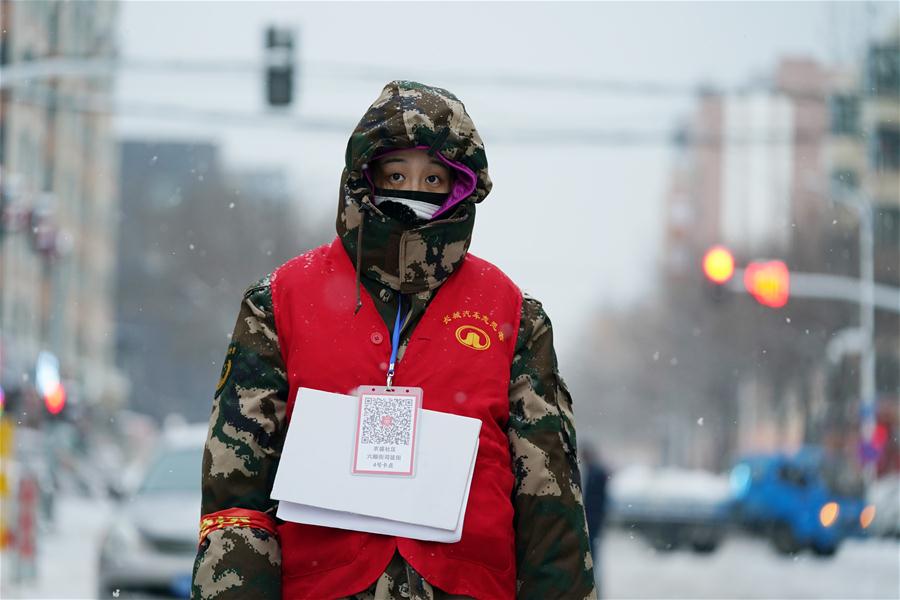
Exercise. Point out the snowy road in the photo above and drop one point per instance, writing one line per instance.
(741, 568)
(746, 567)
(67, 553)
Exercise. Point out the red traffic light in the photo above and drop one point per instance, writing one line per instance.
(768, 282)
(718, 264)
(55, 399)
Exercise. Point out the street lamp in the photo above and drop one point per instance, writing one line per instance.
(859, 203)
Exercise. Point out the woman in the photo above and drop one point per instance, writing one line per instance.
(415, 168)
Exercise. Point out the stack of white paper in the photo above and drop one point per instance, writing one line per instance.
(314, 483)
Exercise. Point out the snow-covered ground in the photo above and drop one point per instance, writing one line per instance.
(742, 567)
(747, 567)
(67, 553)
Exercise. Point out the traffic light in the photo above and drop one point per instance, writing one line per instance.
(279, 66)
(718, 265)
(48, 383)
(768, 282)
(55, 399)
(718, 268)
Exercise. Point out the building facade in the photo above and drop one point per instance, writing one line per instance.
(764, 172)
(58, 169)
(866, 116)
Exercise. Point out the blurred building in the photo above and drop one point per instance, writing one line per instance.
(157, 298)
(693, 204)
(748, 170)
(194, 233)
(757, 171)
(880, 120)
(863, 151)
(805, 83)
(762, 171)
(58, 170)
(864, 158)
(747, 174)
(269, 186)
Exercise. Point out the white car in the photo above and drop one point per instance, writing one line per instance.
(671, 507)
(151, 544)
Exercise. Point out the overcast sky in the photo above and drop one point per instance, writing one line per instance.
(574, 219)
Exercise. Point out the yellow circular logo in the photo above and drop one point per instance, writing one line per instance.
(226, 371)
(473, 337)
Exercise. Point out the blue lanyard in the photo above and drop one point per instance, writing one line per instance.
(395, 342)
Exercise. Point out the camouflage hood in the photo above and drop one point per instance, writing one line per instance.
(410, 260)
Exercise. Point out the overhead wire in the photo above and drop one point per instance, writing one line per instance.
(359, 72)
(51, 97)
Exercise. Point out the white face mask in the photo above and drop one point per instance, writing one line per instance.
(423, 210)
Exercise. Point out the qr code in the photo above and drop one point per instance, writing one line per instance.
(387, 420)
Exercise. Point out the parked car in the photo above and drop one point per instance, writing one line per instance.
(150, 547)
(671, 507)
(806, 500)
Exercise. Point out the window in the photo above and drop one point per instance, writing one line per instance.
(843, 180)
(4, 50)
(793, 475)
(841, 477)
(175, 470)
(164, 193)
(887, 371)
(883, 70)
(887, 148)
(887, 225)
(844, 115)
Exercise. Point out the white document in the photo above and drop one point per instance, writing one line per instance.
(315, 473)
(301, 513)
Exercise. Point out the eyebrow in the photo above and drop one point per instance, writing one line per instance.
(397, 159)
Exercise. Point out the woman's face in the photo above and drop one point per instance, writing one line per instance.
(412, 170)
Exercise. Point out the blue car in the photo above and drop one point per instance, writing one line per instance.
(806, 500)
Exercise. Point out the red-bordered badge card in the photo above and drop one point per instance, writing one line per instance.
(386, 429)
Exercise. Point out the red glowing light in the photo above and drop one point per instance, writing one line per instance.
(55, 399)
(768, 282)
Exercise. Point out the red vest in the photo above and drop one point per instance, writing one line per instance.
(460, 354)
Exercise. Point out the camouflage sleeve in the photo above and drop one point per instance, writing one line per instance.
(553, 553)
(239, 555)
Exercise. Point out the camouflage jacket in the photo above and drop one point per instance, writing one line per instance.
(239, 555)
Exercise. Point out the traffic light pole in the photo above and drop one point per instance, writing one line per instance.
(832, 287)
(868, 295)
(867, 390)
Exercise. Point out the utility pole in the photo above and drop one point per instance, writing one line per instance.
(867, 390)
(863, 291)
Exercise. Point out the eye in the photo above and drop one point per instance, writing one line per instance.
(396, 177)
(433, 180)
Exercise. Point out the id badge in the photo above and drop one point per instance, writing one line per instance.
(387, 425)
